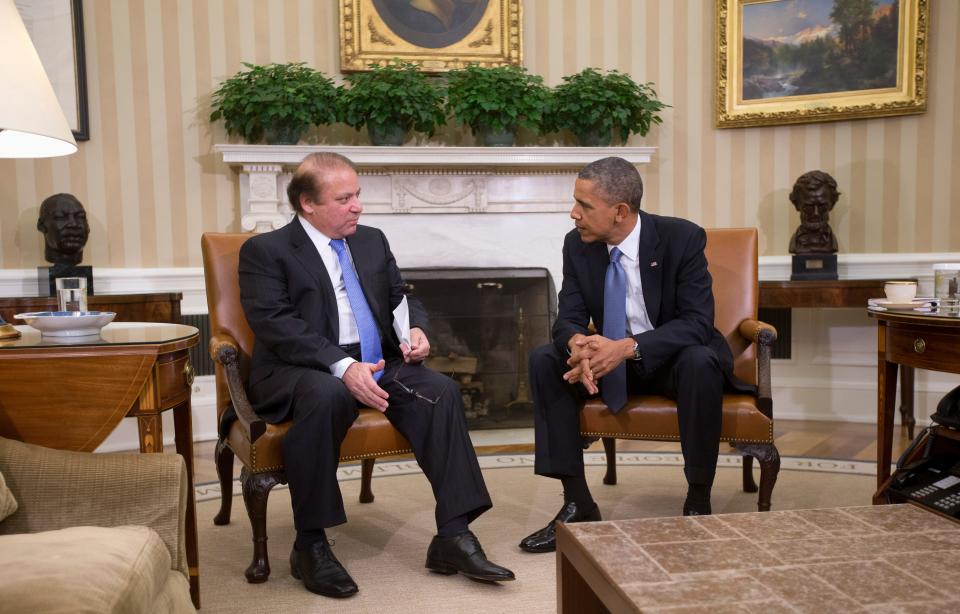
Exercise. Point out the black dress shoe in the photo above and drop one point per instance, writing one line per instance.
(545, 540)
(696, 509)
(321, 572)
(463, 554)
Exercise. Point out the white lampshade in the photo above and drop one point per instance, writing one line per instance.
(32, 124)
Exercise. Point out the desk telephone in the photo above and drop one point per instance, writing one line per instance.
(933, 480)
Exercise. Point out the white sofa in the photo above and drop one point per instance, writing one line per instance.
(92, 532)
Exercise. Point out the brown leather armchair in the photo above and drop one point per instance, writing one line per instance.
(747, 419)
(254, 442)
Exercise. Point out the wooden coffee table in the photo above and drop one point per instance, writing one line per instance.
(854, 559)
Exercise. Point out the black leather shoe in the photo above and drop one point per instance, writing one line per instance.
(321, 572)
(696, 509)
(463, 554)
(545, 540)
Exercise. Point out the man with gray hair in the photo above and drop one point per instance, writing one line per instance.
(642, 280)
(319, 295)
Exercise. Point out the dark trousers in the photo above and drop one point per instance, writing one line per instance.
(425, 406)
(692, 378)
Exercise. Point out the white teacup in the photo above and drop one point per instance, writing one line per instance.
(900, 291)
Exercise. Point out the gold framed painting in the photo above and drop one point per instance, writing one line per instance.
(438, 35)
(798, 61)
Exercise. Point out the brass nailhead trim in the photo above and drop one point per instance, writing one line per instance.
(366, 456)
(673, 437)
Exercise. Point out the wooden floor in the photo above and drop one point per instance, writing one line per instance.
(840, 440)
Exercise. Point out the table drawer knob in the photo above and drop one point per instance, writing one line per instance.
(919, 345)
(188, 373)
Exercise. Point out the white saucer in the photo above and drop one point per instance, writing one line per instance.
(912, 304)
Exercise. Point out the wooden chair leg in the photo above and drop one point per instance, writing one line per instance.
(256, 490)
(610, 447)
(769, 458)
(223, 458)
(748, 484)
(366, 477)
(769, 469)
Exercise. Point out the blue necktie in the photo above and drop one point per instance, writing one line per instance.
(613, 388)
(370, 350)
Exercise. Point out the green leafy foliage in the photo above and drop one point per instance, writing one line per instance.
(497, 98)
(274, 98)
(395, 93)
(590, 101)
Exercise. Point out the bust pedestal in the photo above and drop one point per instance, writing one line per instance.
(814, 266)
(47, 277)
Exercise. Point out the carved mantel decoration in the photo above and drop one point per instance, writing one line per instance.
(399, 180)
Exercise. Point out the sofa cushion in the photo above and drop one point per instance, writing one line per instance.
(8, 504)
(84, 569)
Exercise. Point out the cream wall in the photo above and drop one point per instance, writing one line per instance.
(151, 185)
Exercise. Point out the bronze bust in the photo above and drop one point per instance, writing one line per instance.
(63, 223)
(814, 195)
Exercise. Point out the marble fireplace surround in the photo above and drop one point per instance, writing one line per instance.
(440, 206)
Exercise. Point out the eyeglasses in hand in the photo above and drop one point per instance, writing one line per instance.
(409, 390)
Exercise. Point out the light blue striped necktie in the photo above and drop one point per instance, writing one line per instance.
(613, 387)
(370, 350)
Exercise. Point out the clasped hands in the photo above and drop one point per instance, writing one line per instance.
(592, 357)
(358, 377)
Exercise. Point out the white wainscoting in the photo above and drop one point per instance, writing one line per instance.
(831, 375)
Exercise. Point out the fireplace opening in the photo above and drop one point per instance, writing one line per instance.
(483, 324)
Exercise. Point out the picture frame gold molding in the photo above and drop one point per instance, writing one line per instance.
(908, 97)
(365, 38)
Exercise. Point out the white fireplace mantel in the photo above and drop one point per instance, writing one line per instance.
(412, 179)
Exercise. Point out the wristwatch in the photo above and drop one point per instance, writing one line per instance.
(636, 351)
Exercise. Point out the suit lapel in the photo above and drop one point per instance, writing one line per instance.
(650, 261)
(597, 259)
(306, 253)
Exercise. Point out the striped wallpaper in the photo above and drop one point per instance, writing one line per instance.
(152, 185)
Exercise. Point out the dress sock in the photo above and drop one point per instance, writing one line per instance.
(575, 490)
(453, 527)
(698, 495)
(305, 539)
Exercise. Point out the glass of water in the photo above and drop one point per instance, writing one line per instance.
(72, 294)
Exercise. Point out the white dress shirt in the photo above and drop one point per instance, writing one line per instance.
(348, 323)
(638, 321)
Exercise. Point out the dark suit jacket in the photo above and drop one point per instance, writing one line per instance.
(289, 302)
(677, 289)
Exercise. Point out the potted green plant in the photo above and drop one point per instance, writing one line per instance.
(495, 101)
(594, 106)
(390, 100)
(276, 101)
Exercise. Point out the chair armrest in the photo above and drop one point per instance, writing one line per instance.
(763, 335)
(56, 489)
(758, 332)
(225, 351)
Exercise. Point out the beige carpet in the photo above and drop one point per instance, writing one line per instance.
(384, 544)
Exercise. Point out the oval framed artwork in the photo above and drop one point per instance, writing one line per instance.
(438, 35)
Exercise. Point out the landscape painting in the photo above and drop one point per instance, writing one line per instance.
(791, 61)
(805, 47)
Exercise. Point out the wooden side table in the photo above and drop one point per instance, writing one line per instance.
(839, 293)
(917, 340)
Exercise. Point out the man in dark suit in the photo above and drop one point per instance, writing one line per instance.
(643, 281)
(319, 295)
